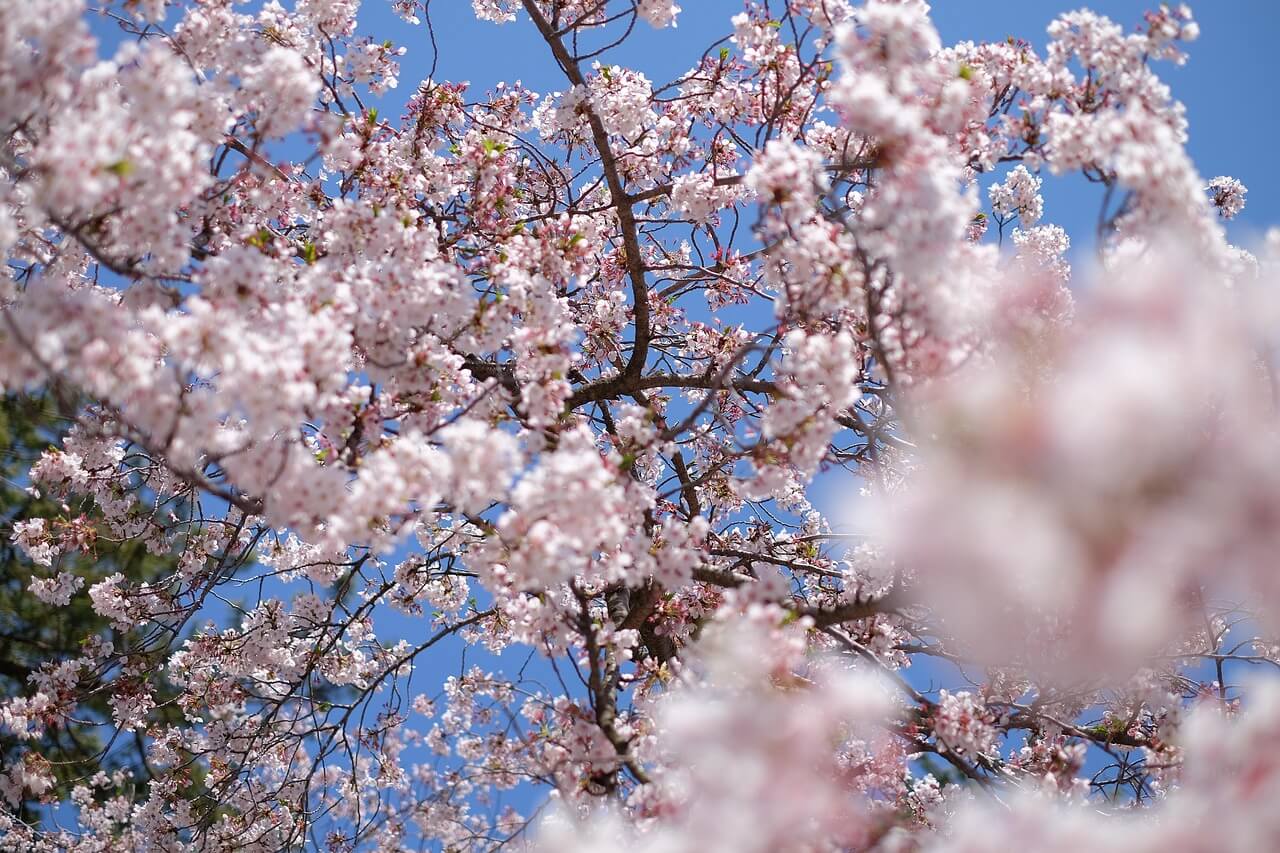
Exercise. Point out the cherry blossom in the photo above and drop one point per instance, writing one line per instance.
(486, 444)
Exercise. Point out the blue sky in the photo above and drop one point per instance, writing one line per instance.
(1233, 129)
(1227, 85)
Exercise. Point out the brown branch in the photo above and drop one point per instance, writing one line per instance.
(616, 386)
(619, 199)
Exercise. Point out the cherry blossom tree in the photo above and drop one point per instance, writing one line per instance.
(475, 445)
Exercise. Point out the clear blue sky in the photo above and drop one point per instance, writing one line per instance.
(1228, 84)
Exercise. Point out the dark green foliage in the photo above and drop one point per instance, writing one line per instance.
(33, 633)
